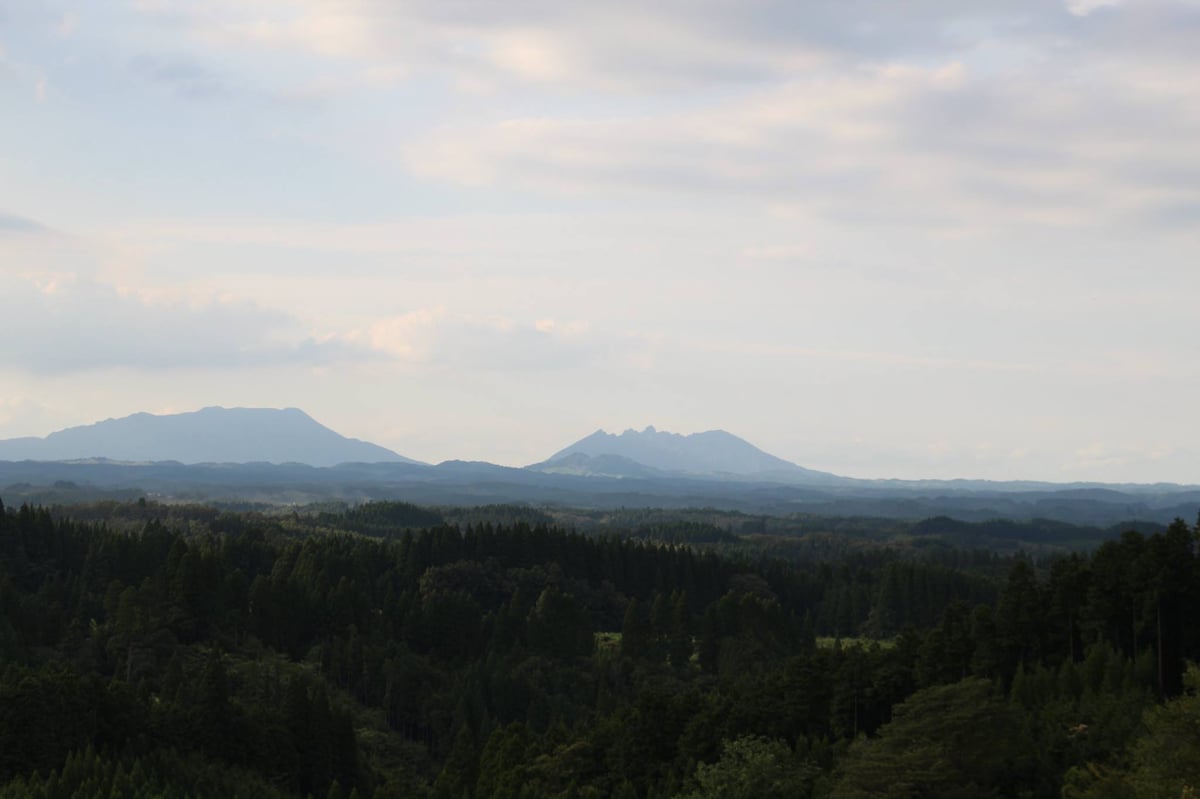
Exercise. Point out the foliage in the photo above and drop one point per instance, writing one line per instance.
(754, 768)
(192, 651)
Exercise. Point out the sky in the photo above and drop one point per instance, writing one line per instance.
(927, 239)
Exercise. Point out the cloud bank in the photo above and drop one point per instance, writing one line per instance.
(70, 324)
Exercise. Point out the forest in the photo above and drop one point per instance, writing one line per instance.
(389, 650)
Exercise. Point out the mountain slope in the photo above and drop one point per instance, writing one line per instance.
(712, 453)
(584, 465)
(210, 435)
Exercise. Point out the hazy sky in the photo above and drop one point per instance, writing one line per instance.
(923, 239)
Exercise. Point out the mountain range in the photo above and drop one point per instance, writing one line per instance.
(275, 456)
(289, 435)
(209, 435)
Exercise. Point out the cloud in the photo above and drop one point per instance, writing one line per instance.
(1081, 8)
(613, 48)
(628, 46)
(933, 146)
(434, 338)
(69, 324)
(66, 25)
(184, 78)
(933, 113)
(506, 345)
(11, 223)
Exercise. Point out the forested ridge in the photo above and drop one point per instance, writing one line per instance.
(381, 651)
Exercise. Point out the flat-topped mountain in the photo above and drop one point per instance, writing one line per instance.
(210, 435)
(712, 453)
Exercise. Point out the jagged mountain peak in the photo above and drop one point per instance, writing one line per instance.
(708, 453)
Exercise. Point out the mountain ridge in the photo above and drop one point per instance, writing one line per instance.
(599, 455)
(711, 453)
(213, 434)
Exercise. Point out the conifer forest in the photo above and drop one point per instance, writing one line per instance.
(389, 650)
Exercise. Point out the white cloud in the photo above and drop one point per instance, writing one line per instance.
(905, 144)
(407, 337)
(1081, 8)
(68, 323)
(433, 338)
(631, 47)
(943, 114)
(618, 47)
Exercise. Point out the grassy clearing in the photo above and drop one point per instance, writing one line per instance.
(608, 641)
(828, 642)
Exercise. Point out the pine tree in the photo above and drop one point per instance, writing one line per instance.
(636, 636)
(461, 770)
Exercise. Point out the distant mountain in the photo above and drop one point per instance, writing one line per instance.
(583, 465)
(710, 454)
(210, 435)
